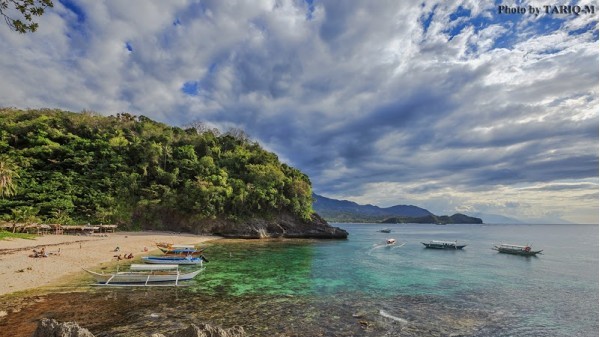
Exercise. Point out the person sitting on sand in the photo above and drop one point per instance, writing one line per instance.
(117, 249)
(130, 256)
(43, 252)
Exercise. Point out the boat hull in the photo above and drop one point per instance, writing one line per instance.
(172, 260)
(180, 251)
(442, 246)
(141, 277)
(517, 252)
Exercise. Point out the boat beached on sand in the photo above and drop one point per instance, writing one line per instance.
(144, 275)
(436, 244)
(516, 250)
(171, 249)
(175, 259)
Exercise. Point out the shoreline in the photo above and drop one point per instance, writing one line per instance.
(67, 255)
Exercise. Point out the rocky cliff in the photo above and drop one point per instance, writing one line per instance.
(283, 225)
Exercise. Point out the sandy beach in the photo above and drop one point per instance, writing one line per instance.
(67, 255)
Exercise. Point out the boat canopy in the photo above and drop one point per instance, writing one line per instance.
(504, 245)
(438, 242)
(140, 267)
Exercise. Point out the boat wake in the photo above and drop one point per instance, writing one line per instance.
(397, 319)
(384, 246)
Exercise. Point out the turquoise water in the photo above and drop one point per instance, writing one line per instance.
(361, 287)
(555, 294)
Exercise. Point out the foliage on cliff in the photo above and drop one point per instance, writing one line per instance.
(437, 219)
(66, 167)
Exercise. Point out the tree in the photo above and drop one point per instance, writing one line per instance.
(27, 9)
(8, 171)
(24, 214)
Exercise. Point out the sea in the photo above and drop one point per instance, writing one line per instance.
(358, 287)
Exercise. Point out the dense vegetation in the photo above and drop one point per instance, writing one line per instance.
(63, 167)
(441, 219)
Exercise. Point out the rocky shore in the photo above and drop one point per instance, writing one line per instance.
(281, 225)
(52, 328)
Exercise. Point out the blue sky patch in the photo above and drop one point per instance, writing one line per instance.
(427, 20)
(190, 88)
(78, 11)
(311, 9)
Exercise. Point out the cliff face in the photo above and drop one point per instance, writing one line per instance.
(285, 226)
(280, 225)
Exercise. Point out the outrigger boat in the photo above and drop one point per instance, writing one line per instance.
(169, 248)
(175, 259)
(144, 275)
(436, 244)
(516, 250)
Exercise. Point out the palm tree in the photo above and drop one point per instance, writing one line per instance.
(8, 171)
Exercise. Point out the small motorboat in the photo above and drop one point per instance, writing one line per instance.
(390, 241)
(385, 230)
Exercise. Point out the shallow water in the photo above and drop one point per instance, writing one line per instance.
(361, 286)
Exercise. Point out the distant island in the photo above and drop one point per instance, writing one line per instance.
(60, 167)
(334, 210)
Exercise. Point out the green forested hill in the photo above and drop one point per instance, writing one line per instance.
(63, 167)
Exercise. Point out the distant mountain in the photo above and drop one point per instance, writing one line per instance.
(348, 211)
(440, 220)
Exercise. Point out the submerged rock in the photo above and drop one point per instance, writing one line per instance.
(206, 330)
(51, 328)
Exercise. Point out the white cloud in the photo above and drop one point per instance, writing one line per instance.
(363, 97)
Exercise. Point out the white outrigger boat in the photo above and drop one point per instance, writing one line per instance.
(175, 259)
(437, 244)
(144, 275)
(169, 248)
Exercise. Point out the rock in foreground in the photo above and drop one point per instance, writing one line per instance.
(51, 328)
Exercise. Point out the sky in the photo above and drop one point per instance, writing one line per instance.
(453, 106)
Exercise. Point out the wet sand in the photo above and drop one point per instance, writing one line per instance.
(68, 254)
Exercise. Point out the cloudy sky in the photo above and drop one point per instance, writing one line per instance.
(448, 105)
